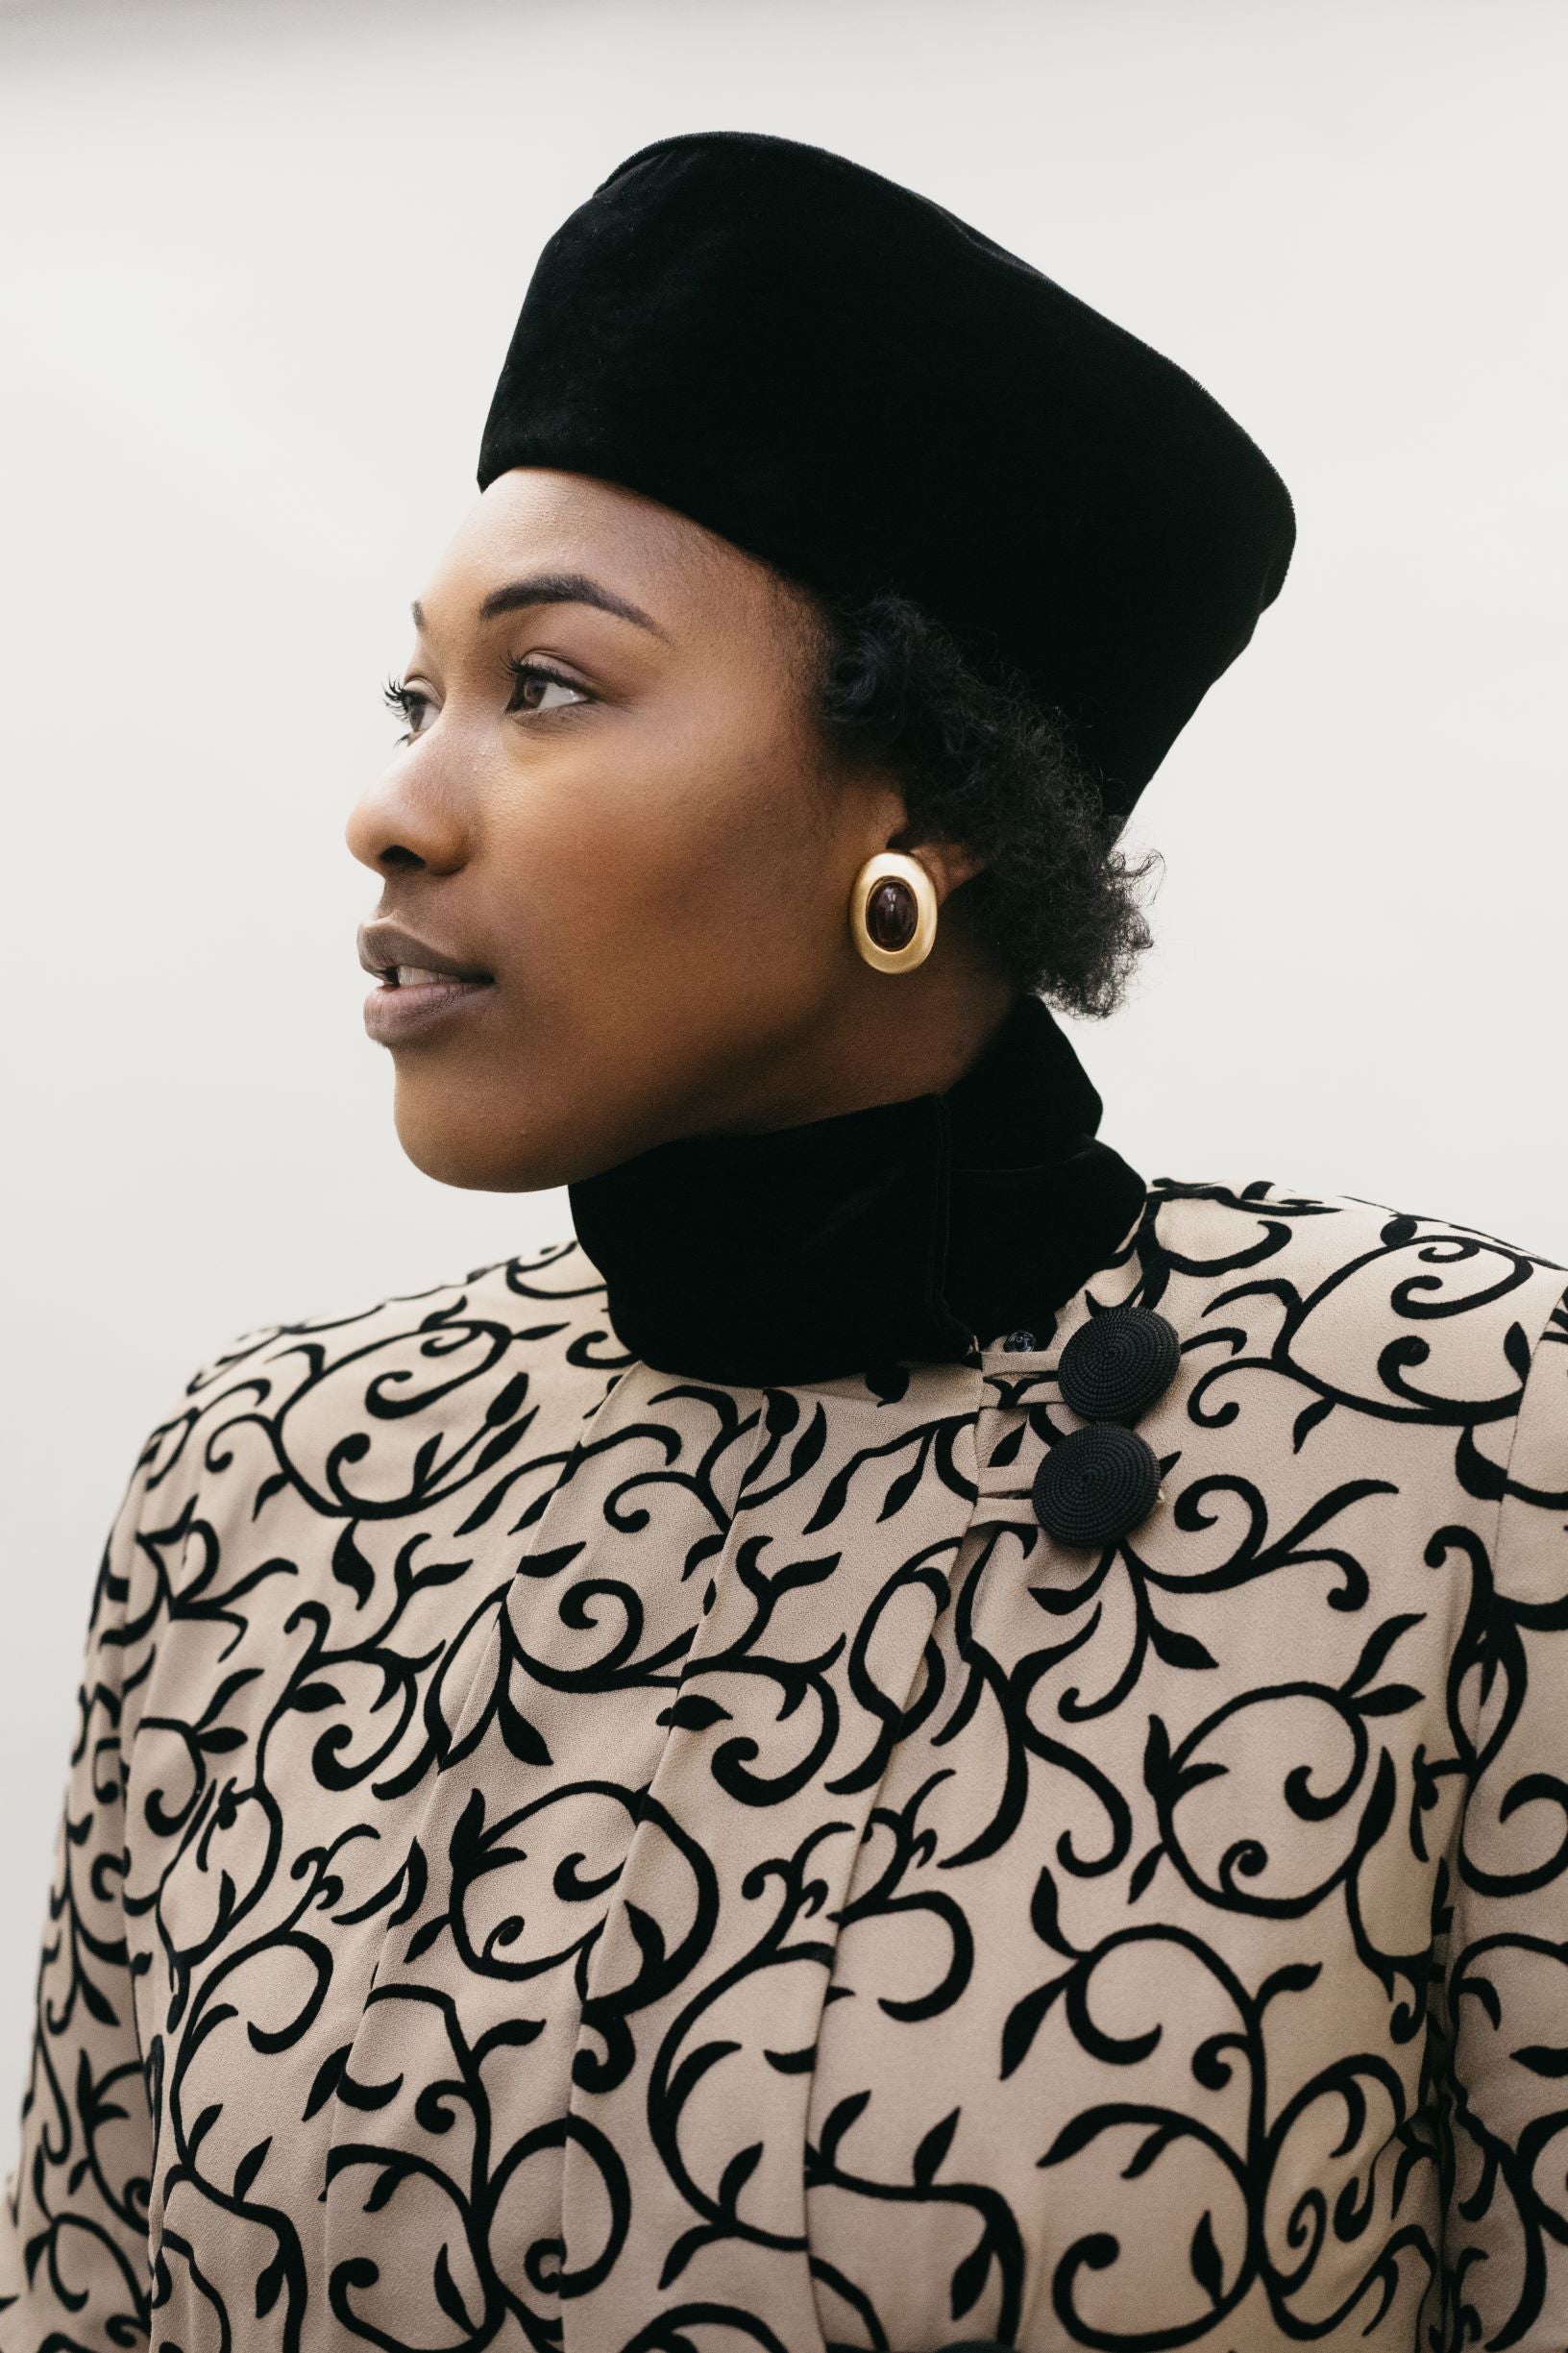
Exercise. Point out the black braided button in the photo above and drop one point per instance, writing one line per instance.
(1094, 1485)
(1117, 1364)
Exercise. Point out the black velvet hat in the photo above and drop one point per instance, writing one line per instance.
(841, 378)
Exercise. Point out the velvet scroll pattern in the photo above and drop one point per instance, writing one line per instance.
(557, 1855)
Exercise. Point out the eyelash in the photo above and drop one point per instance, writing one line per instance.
(405, 700)
(397, 697)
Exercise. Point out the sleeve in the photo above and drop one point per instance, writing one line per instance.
(73, 2226)
(1504, 2012)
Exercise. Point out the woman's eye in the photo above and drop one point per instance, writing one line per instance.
(411, 706)
(532, 687)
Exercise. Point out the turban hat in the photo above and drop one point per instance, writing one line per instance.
(845, 380)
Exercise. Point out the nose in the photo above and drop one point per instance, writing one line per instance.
(408, 819)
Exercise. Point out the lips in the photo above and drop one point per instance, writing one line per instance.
(417, 985)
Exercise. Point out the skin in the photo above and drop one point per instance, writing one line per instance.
(652, 860)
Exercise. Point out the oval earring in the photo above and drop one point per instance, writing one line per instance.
(893, 912)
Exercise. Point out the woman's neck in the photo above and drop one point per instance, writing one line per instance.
(880, 1042)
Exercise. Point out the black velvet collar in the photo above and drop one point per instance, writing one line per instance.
(905, 1231)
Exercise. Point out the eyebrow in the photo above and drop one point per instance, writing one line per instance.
(553, 588)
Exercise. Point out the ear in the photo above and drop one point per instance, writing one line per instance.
(947, 863)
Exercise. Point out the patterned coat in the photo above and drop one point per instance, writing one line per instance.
(559, 1854)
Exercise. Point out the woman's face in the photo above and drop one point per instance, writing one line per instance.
(616, 871)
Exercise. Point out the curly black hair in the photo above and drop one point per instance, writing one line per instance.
(982, 763)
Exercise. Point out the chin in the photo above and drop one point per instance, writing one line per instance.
(472, 1157)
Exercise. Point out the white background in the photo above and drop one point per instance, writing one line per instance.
(259, 267)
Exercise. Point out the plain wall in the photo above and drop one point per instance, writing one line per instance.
(259, 269)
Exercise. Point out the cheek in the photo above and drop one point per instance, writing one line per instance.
(654, 851)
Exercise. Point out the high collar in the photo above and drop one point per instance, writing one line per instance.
(904, 1231)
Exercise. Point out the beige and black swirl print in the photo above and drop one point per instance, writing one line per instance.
(568, 1858)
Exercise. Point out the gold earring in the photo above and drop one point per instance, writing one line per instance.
(893, 911)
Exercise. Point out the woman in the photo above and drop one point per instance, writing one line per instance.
(912, 1737)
